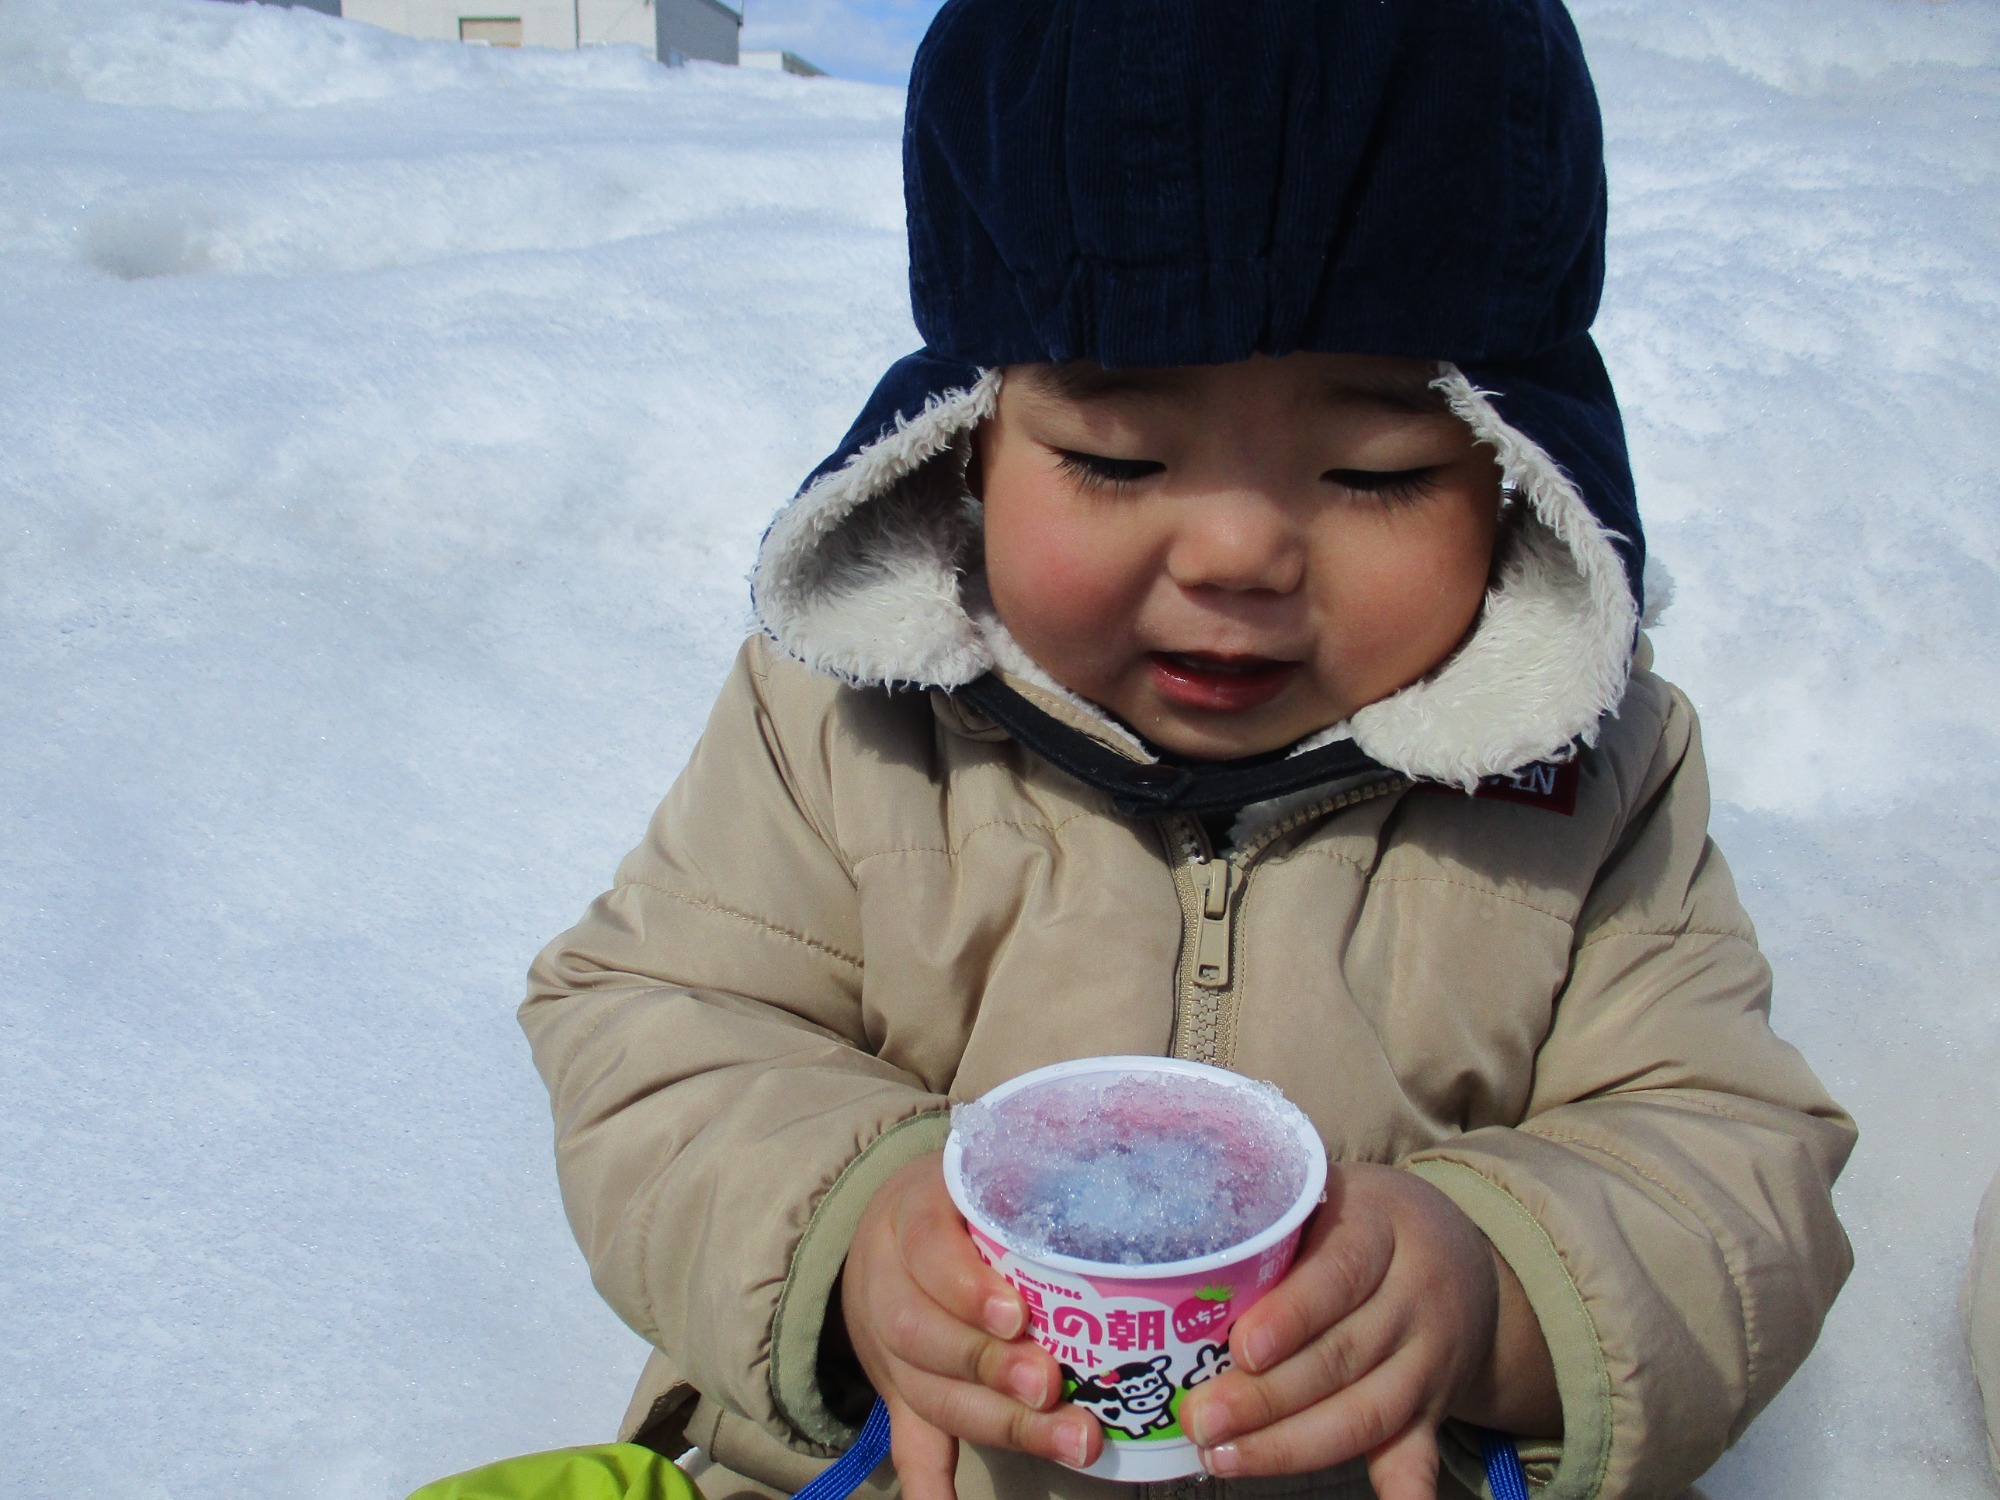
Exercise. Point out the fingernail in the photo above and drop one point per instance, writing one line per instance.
(1003, 1316)
(1223, 1461)
(1076, 1445)
(1198, 1424)
(1258, 1348)
(1030, 1384)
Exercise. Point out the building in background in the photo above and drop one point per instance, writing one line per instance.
(775, 59)
(676, 30)
(705, 29)
(513, 23)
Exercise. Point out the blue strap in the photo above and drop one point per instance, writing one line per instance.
(847, 1472)
(1503, 1467)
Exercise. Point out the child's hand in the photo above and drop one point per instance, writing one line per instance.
(1389, 1321)
(938, 1332)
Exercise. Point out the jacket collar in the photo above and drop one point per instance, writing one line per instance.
(1163, 785)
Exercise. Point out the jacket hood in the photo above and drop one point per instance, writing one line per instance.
(1163, 182)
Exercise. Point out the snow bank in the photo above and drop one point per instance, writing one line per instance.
(379, 483)
(399, 151)
(1803, 317)
(1777, 43)
(389, 428)
(1802, 321)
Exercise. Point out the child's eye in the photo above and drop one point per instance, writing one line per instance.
(1092, 469)
(1389, 486)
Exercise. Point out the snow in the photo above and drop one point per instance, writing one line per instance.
(388, 426)
(1804, 319)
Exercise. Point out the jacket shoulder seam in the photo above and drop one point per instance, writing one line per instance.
(803, 939)
(1477, 890)
(1708, 1106)
(1605, 935)
(1337, 856)
(954, 851)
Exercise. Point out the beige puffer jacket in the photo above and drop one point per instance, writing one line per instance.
(857, 905)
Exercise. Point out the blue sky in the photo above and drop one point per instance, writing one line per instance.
(871, 40)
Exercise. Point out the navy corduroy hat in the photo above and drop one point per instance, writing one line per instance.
(1163, 182)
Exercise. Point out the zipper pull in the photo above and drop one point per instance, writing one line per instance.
(1215, 883)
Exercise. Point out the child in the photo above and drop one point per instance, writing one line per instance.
(1221, 639)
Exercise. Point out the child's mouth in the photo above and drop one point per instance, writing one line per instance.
(1219, 683)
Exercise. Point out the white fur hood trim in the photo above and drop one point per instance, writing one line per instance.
(1553, 646)
(861, 576)
(871, 574)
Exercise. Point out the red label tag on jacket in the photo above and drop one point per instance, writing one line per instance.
(1547, 784)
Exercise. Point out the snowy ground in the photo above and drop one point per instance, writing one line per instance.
(387, 428)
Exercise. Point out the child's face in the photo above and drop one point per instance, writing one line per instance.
(1230, 557)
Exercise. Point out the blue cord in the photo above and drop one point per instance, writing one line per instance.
(1503, 1467)
(857, 1463)
(1503, 1464)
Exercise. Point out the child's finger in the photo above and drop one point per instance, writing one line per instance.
(1069, 1434)
(1236, 1402)
(1358, 1420)
(938, 1253)
(927, 1337)
(926, 1460)
(1339, 1267)
(1406, 1467)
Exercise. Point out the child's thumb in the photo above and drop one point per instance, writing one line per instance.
(925, 1458)
(1406, 1467)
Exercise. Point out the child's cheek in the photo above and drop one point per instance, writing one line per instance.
(1401, 601)
(1084, 588)
(1066, 589)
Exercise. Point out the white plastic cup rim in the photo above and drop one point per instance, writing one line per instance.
(1310, 1192)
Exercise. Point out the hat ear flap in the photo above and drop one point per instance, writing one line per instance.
(1552, 650)
(860, 576)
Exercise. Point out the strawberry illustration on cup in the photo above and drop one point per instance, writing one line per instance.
(1203, 1313)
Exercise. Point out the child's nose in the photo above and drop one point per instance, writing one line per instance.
(1242, 544)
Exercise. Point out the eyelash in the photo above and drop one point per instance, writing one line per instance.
(1092, 470)
(1389, 487)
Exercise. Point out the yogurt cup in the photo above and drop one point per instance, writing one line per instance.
(1134, 1340)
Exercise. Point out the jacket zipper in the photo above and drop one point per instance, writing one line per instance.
(1215, 885)
(1207, 887)
(1211, 893)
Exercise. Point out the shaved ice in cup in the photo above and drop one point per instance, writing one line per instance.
(1139, 1205)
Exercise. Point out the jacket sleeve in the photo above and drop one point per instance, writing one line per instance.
(720, 1116)
(1666, 1200)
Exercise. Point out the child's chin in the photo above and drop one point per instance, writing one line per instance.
(1215, 736)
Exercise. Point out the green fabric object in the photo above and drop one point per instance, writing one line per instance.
(613, 1471)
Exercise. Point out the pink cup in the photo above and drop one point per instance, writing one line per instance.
(1133, 1340)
